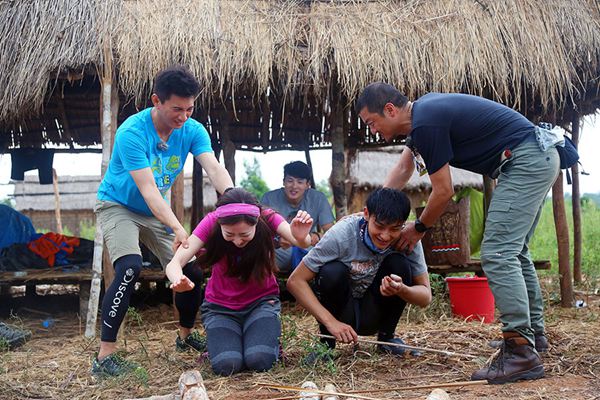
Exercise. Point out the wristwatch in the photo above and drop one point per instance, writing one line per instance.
(420, 227)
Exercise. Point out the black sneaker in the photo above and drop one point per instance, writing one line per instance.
(395, 350)
(315, 357)
(322, 353)
(193, 341)
(11, 337)
(115, 365)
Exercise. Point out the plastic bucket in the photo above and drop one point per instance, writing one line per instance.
(471, 298)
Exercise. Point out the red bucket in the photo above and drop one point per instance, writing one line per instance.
(471, 298)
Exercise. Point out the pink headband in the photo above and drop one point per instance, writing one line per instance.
(227, 210)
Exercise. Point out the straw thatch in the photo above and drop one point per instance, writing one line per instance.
(289, 61)
(41, 40)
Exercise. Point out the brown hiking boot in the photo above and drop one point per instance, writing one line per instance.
(516, 360)
(541, 343)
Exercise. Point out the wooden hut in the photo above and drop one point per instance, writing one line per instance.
(284, 74)
(77, 200)
(364, 176)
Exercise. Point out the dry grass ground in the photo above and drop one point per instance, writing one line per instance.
(55, 363)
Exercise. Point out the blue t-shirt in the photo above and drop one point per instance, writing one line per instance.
(469, 132)
(136, 148)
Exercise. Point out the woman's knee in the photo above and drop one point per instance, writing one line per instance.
(260, 361)
(227, 366)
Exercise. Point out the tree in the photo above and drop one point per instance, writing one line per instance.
(253, 181)
(324, 188)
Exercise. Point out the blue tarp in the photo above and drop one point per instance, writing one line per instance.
(14, 227)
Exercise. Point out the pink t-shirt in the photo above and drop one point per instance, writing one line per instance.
(229, 291)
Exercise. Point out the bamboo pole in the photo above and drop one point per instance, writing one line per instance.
(489, 185)
(177, 197)
(197, 195)
(356, 393)
(317, 391)
(576, 205)
(338, 160)
(59, 227)
(562, 237)
(108, 107)
(405, 346)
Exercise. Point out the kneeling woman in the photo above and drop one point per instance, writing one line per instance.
(241, 308)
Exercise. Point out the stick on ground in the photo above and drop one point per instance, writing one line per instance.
(405, 346)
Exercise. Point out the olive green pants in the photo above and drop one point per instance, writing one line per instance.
(123, 230)
(512, 217)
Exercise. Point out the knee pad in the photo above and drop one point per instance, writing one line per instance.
(260, 361)
(227, 367)
(130, 265)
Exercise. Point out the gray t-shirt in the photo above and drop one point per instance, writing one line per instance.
(343, 243)
(313, 202)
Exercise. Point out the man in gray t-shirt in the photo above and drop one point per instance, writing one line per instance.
(361, 283)
(296, 194)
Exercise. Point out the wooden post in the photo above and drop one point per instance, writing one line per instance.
(177, 197)
(197, 195)
(109, 105)
(489, 185)
(313, 184)
(338, 160)
(228, 145)
(576, 204)
(59, 227)
(562, 237)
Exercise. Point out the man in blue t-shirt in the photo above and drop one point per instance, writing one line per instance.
(489, 138)
(149, 152)
(296, 194)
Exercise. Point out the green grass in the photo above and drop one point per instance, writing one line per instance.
(543, 245)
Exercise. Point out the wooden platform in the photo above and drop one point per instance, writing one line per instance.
(475, 266)
(56, 276)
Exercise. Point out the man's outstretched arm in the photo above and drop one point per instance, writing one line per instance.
(297, 284)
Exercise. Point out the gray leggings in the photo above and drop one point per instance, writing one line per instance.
(247, 338)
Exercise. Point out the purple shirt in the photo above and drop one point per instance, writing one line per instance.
(230, 291)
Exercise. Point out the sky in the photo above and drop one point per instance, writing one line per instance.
(272, 163)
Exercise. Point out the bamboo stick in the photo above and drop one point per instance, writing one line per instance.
(432, 386)
(405, 346)
(107, 128)
(354, 393)
(59, 227)
(317, 391)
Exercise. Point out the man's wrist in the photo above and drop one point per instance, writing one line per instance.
(420, 226)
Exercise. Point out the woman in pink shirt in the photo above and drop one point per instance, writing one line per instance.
(240, 312)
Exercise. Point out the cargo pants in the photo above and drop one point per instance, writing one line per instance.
(512, 217)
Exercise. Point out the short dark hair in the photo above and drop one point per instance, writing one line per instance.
(176, 80)
(297, 169)
(377, 95)
(388, 206)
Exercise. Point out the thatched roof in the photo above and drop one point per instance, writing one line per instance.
(369, 168)
(288, 62)
(79, 193)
